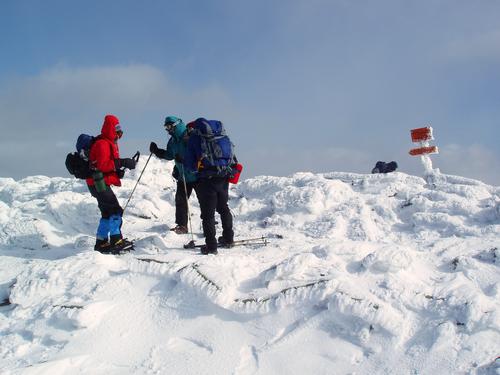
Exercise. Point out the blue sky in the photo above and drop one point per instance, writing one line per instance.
(311, 85)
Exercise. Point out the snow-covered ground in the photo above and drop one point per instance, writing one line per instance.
(362, 274)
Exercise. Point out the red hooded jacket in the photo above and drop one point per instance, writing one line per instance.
(104, 151)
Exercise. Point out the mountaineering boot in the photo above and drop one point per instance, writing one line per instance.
(180, 229)
(225, 243)
(120, 244)
(205, 251)
(102, 246)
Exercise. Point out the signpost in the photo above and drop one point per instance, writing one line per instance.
(423, 136)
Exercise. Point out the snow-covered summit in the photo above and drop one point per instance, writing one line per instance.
(362, 274)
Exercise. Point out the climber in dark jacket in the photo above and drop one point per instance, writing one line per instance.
(186, 180)
(213, 173)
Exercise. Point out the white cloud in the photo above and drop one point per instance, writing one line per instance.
(68, 90)
(42, 115)
(284, 161)
(49, 110)
(67, 97)
(474, 161)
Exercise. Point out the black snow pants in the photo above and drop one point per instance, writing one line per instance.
(181, 202)
(213, 194)
(107, 202)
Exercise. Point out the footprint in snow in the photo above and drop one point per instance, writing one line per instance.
(179, 344)
(249, 363)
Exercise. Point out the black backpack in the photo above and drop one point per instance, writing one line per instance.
(77, 163)
(383, 167)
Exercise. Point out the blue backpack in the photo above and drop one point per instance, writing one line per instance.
(83, 144)
(216, 147)
(77, 163)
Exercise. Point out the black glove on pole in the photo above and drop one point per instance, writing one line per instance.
(153, 148)
(128, 163)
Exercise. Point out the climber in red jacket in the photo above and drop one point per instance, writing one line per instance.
(109, 169)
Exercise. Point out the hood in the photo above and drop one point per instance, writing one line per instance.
(108, 128)
(180, 129)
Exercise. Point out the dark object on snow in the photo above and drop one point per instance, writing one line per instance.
(383, 167)
(223, 244)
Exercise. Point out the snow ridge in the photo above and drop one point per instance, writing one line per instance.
(362, 273)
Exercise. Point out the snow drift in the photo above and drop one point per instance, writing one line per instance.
(362, 273)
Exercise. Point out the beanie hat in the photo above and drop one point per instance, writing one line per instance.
(172, 120)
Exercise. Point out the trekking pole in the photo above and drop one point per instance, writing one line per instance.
(140, 176)
(247, 242)
(191, 243)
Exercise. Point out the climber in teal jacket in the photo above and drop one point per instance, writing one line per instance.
(186, 180)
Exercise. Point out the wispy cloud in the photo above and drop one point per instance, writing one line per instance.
(48, 110)
(473, 161)
(64, 97)
(284, 161)
(40, 117)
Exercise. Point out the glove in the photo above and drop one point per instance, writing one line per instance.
(178, 158)
(127, 163)
(120, 173)
(153, 148)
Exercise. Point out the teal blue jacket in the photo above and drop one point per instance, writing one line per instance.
(176, 150)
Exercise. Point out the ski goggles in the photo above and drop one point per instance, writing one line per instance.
(119, 131)
(170, 126)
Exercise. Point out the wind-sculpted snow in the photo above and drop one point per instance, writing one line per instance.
(362, 273)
